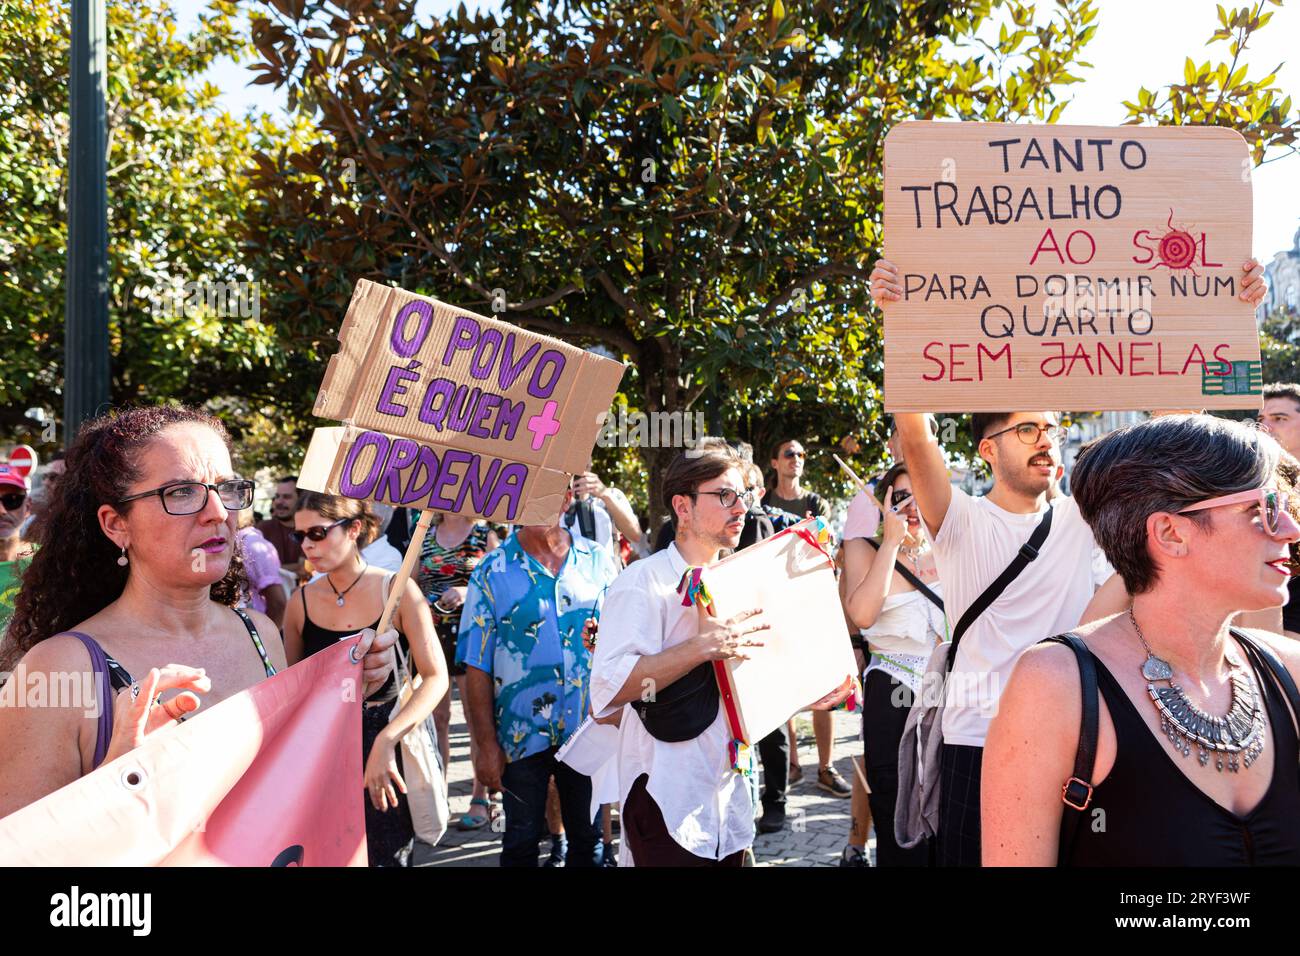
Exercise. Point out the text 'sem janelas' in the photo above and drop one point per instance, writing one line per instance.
(1068, 267)
(452, 411)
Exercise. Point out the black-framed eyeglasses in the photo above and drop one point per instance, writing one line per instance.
(727, 497)
(13, 500)
(899, 497)
(318, 532)
(1028, 432)
(191, 497)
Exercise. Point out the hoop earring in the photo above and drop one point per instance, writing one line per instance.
(121, 561)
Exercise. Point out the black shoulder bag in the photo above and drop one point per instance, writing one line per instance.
(1077, 791)
(1028, 552)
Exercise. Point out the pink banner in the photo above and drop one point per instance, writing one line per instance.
(269, 777)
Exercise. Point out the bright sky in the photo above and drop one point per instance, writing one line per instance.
(1138, 42)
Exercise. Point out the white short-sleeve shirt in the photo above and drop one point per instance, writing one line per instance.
(974, 545)
(705, 804)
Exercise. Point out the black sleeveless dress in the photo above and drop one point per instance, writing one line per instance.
(389, 834)
(1152, 814)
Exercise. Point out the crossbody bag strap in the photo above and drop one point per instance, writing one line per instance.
(1028, 552)
(1265, 655)
(1076, 794)
(911, 578)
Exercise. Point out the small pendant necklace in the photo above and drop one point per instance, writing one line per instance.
(1238, 736)
(338, 595)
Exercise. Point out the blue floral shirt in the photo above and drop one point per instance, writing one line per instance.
(523, 626)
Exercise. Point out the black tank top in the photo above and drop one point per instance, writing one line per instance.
(316, 638)
(1154, 815)
(1291, 610)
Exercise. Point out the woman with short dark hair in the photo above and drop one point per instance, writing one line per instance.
(1197, 762)
(140, 570)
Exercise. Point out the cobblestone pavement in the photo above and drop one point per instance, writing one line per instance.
(817, 824)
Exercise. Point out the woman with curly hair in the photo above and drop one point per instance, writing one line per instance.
(140, 571)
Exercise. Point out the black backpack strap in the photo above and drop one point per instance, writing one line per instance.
(1076, 794)
(911, 578)
(1263, 655)
(1028, 552)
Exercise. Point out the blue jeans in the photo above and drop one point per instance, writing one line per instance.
(523, 783)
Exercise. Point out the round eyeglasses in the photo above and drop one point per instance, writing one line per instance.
(727, 497)
(191, 497)
(1028, 432)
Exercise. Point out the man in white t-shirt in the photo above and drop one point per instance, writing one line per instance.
(974, 540)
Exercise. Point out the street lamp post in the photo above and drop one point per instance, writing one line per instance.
(85, 338)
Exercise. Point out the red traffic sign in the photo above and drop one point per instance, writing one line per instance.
(23, 460)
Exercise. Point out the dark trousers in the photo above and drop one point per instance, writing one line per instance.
(524, 783)
(648, 838)
(774, 752)
(959, 805)
(882, 726)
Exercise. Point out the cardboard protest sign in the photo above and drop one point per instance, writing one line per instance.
(444, 409)
(1068, 267)
(806, 654)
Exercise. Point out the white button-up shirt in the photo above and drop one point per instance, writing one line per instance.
(705, 803)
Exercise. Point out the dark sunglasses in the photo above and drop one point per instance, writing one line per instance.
(14, 500)
(899, 497)
(791, 453)
(319, 532)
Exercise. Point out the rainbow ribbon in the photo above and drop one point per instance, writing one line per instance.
(853, 703)
(693, 590)
(818, 534)
(742, 757)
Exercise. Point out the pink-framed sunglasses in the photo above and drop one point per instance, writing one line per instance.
(1271, 505)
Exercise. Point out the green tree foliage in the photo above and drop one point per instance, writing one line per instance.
(177, 191)
(697, 187)
(1224, 94)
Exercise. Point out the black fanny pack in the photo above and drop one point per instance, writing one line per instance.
(684, 709)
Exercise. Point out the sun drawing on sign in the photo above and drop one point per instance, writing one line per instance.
(1177, 248)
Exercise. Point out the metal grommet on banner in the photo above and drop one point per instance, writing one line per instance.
(352, 653)
(133, 778)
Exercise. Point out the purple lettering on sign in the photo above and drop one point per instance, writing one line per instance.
(508, 419)
(423, 475)
(477, 484)
(450, 458)
(485, 356)
(462, 407)
(433, 412)
(509, 485)
(511, 370)
(395, 387)
(484, 409)
(406, 347)
(555, 362)
(348, 486)
(401, 455)
(464, 334)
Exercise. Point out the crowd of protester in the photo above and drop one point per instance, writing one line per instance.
(1125, 648)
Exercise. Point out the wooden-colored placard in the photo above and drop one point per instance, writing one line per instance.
(1068, 267)
(447, 410)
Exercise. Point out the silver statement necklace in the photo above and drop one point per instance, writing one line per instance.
(1235, 739)
(339, 595)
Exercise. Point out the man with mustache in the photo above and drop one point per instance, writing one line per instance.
(975, 539)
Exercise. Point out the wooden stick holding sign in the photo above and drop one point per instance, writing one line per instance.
(862, 485)
(408, 565)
